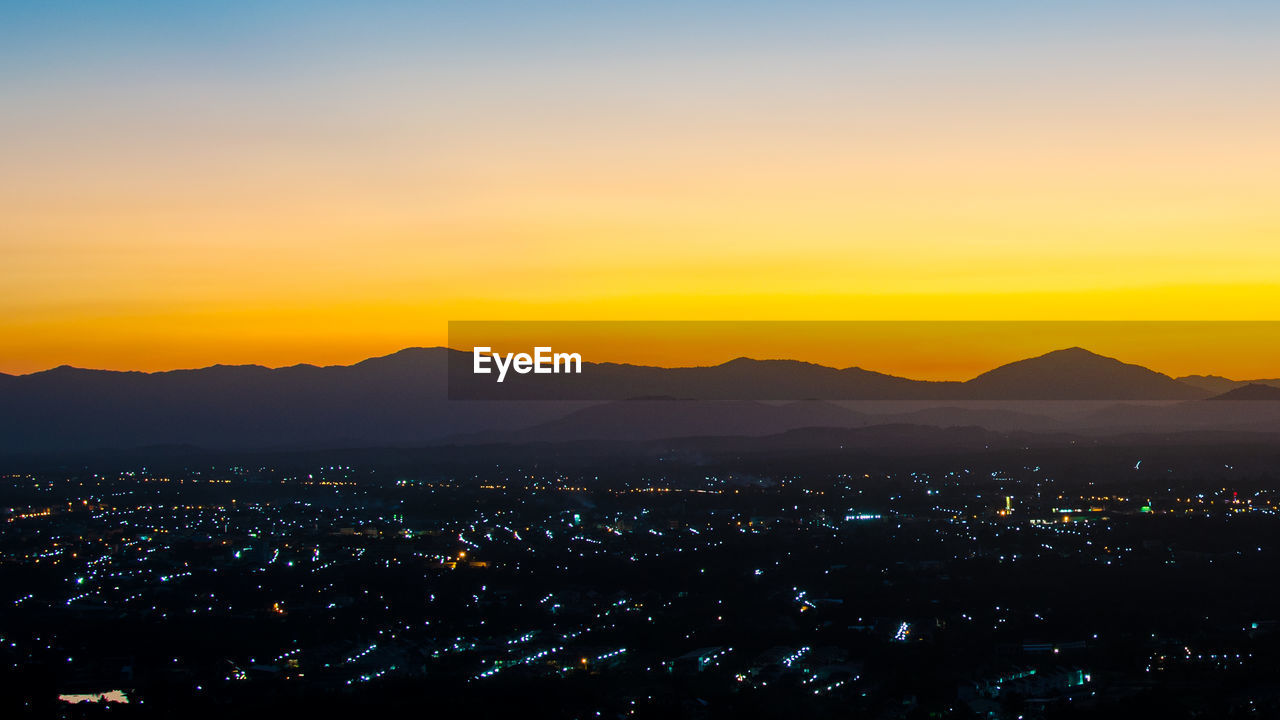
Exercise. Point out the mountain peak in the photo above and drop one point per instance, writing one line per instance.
(745, 361)
(1075, 373)
(407, 356)
(1074, 354)
(1076, 351)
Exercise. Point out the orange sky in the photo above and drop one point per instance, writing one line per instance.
(318, 197)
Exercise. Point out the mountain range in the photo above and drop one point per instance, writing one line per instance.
(403, 399)
(1070, 374)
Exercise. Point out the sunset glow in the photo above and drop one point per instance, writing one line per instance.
(308, 184)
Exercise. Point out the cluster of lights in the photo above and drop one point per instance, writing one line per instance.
(793, 657)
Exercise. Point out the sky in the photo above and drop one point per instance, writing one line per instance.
(277, 183)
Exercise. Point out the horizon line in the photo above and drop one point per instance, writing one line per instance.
(67, 366)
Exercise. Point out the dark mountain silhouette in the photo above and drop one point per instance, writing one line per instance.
(402, 399)
(791, 379)
(1210, 383)
(1252, 391)
(738, 379)
(1072, 374)
(397, 399)
(1217, 384)
(1077, 374)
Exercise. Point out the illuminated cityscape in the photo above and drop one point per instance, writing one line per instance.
(892, 587)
